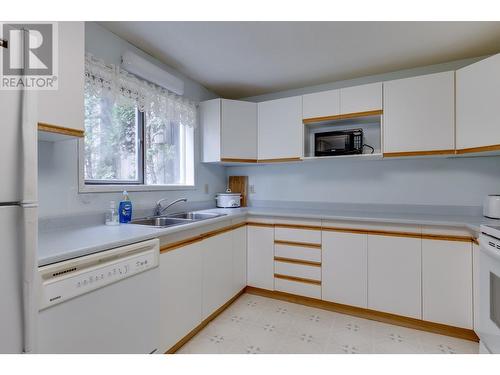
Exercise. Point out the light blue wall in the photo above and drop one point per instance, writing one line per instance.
(436, 181)
(58, 162)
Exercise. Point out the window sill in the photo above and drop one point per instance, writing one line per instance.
(119, 188)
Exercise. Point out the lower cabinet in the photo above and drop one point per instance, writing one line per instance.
(394, 275)
(344, 267)
(217, 272)
(181, 293)
(260, 252)
(447, 282)
(239, 237)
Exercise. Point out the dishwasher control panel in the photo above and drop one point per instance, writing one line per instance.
(72, 282)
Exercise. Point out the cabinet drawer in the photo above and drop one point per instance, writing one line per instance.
(312, 272)
(298, 252)
(298, 288)
(308, 236)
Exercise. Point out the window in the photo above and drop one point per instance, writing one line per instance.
(135, 132)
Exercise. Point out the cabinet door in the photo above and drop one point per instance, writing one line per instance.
(321, 104)
(260, 256)
(475, 286)
(210, 115)
(447, 282)
(478, 95)
(344, 268)
(217, 272)
(362, 98)
(419, 114)
(64, 106)
(239, 130)
(239, 259)
(280, 128)
(181, 288)
(394, 275)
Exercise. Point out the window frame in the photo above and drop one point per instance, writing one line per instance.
(91, 186)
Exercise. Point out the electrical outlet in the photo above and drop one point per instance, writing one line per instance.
(252, 189)
(206, 189)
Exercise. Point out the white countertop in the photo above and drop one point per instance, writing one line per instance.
(60, 244)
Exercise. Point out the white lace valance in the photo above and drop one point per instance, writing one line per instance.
(118, 84)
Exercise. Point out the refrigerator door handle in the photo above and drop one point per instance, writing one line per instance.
(29, 146)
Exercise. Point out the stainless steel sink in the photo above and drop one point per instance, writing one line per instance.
(195, 216)
(160, 221)
(175, 219)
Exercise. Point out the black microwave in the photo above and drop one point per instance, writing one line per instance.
(341, 142)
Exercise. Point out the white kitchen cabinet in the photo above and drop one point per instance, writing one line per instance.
(64, 107)
(260, 253)
(344, 268)
(280, 129)
(394, 275)
(217, 272)
(229, 130)
(478, 95)
(181, 293)
(239, 237)
(475, 286)
(447, 282)
(419, 114)
(321, 104)
(362, 98)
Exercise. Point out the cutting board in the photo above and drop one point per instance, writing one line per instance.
(239, 184)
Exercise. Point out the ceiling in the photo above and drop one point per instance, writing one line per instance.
(241, 59)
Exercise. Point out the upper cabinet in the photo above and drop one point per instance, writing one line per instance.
(319, 105)
(343, 103)
(419, 115)
(229, 130)
(478, 95)
(361, 100)
(280, 130)
(61, 111)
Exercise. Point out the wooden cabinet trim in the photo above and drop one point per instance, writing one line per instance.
(298, 244)
(418, 153)
(297, 279)
(279, 160)
(254, 224)
(312, 120)
(237, 160)
(478, 149)
(200, 237)
(439, 237)
(298, 261)
(50, 128)
(298, 226)
(379, 316)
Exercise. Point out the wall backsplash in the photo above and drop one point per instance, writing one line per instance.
(433, 181)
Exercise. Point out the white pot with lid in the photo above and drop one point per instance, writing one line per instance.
(491, 206)
(228, 199)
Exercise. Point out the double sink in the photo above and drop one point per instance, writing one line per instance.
(171, 220)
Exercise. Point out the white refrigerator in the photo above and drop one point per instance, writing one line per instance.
(18, 219)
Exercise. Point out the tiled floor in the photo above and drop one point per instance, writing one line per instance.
(254, 324)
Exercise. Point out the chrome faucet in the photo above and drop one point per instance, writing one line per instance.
(159, 209)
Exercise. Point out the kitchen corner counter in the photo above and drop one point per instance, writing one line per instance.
(59, 244)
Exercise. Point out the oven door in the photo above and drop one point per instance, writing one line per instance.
(489, 293)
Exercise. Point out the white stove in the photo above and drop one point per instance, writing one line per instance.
(489, 288)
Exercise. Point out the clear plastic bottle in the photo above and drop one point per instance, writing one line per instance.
(112, 214)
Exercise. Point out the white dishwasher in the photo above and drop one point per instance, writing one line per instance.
(108, 302)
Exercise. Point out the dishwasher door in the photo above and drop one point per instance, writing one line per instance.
(103, 303)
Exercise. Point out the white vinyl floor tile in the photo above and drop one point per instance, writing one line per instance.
(259, 325)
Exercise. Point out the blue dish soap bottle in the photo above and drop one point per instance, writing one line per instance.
(125, 208)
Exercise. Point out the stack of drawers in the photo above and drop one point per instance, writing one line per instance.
(297, 260)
